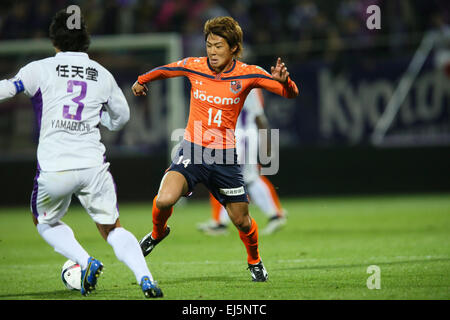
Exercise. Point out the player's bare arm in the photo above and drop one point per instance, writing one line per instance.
(279, 72)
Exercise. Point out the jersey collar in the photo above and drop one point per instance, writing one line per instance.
(232, 67)
(72, 53)
(228, 71)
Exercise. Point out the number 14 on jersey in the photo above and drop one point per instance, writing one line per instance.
(217, 118)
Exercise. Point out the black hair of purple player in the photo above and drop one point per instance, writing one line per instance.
(68, 39)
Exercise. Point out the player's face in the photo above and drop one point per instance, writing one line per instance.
(219, 53)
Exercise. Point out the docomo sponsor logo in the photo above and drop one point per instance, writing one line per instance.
(215, 99)
(260, 148)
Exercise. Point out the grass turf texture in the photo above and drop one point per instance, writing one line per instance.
(322, 253)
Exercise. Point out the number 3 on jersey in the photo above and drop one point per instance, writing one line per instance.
(217, 118)
(77, 100)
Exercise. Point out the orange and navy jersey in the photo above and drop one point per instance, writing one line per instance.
(217, 98)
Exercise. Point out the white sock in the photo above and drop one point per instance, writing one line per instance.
(223, 216)
(261, 196)
(60, 236)
(127, 249)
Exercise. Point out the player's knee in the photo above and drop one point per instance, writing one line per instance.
(242, 223)
(165, 201)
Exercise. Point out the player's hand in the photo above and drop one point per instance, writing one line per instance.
(279, 72)
(139, 89)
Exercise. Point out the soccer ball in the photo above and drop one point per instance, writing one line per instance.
(71, 275)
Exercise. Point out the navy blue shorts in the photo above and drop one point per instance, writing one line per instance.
(217, 169)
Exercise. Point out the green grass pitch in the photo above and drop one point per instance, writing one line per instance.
(322, 253)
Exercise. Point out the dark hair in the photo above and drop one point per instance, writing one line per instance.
(66, 39)
(227, 28)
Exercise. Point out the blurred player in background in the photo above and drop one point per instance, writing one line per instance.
(260, 189)
(71, 95)
(219, 85)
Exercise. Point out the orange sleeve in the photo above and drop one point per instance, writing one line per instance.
(287, 90)
(174, 69)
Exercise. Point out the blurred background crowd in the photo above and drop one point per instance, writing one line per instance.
(331, 24)
(347, 75)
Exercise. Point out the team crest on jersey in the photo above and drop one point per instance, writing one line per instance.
(235, 86)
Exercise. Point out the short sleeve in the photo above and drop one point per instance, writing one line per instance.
(28, 79)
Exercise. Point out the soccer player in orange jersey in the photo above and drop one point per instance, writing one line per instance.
(220, 83)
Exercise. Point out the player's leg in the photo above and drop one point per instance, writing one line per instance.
(178, 181)
(216, 207)
(127, 250)
(173, 186)
(223, 216)
(272, 195)
(247, 227)
(261, 191)
(50, 200)
(226, 183)
(264, 195)
(248, 232)
(217, 225)
(98, 196)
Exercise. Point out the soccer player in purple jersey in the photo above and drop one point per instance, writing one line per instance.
(71, 96)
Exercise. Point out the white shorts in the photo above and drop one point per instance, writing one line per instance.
(94, 187)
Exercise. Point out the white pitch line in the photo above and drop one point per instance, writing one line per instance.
(382, 259)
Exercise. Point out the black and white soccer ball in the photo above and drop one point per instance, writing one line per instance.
(71, 275)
